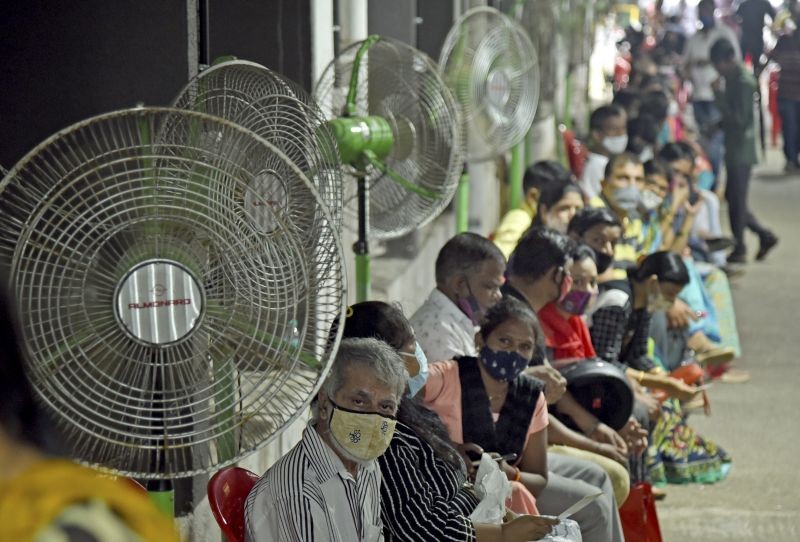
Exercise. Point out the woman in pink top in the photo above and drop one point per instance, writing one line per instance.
(490, 402)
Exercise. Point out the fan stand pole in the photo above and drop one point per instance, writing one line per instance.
(363, 282)
(462, 202)
(516, 174)
(160, 491)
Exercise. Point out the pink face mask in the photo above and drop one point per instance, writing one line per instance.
(565, 287)
(576, 301)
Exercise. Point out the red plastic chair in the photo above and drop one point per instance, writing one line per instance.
(227, 494)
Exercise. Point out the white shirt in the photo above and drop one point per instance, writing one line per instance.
(698, 48)
(442, 329)
(310, 495)
(593, 172)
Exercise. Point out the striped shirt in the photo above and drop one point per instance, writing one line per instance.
(422, 497)
(630, 247)
(309, 495)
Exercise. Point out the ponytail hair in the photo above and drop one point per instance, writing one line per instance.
(667, 266)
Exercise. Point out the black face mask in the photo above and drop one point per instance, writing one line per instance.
(603, 262)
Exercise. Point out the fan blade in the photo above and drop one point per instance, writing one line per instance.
(396, 177)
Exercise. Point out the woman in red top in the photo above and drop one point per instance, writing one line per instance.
(566, 334)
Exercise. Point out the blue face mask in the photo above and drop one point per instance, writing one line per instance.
(502, 365)
(417, 382)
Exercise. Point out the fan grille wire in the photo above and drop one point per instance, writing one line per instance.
(95, 200)
(491, 66)
(278, 110)
(402, 85)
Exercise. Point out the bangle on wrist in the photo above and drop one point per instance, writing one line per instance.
(592, 428)
(639, 376)
(517, 474)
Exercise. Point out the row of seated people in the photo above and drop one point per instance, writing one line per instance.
(496, 331)
(622, 272)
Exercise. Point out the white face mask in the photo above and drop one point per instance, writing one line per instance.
(646, 154)
(651, 200)
(615, 144)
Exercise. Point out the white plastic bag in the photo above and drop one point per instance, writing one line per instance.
(493, 489)
(567, 530)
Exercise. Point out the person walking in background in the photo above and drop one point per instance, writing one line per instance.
(787, 55)
(735, 103)
(751, 15)
(701, 73)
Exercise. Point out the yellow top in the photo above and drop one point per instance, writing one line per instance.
(513, 224)
(631, 245)
(51, 490)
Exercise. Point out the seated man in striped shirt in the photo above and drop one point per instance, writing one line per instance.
(327, 488)
(620, 195)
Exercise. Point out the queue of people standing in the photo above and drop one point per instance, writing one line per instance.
(573, 344)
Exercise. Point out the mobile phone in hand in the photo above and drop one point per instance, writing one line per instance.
(509, 458)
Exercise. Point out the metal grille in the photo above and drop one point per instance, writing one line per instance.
(490, 64)
(278, 110)
(169, 330)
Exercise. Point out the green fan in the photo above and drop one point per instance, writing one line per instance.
(399, 135)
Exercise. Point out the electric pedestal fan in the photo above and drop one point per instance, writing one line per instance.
(489, 63)
(398, 131)
(172, 319)
(541, 19)
(280, 111)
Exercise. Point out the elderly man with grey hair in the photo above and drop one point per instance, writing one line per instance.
(327, 488)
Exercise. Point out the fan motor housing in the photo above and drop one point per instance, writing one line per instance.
(159, 302)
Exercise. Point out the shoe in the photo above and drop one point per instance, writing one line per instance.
(737, 257)
(735, 376)
(733, 271)
(791, 167)
(768, 242)
(659, 493)
(715, 356)
(720, 243)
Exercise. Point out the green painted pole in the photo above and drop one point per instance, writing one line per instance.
(163, 496)
(361, 248)
(568, 101)
(528, 152)
(462, 202)
(517, 171)
(363, 281)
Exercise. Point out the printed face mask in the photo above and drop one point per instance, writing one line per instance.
(417, 382)
(627, 198)
(604, 261)
(615, 144)
(576, 301)
(502, 365)
(651, 200)
(363, 435)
